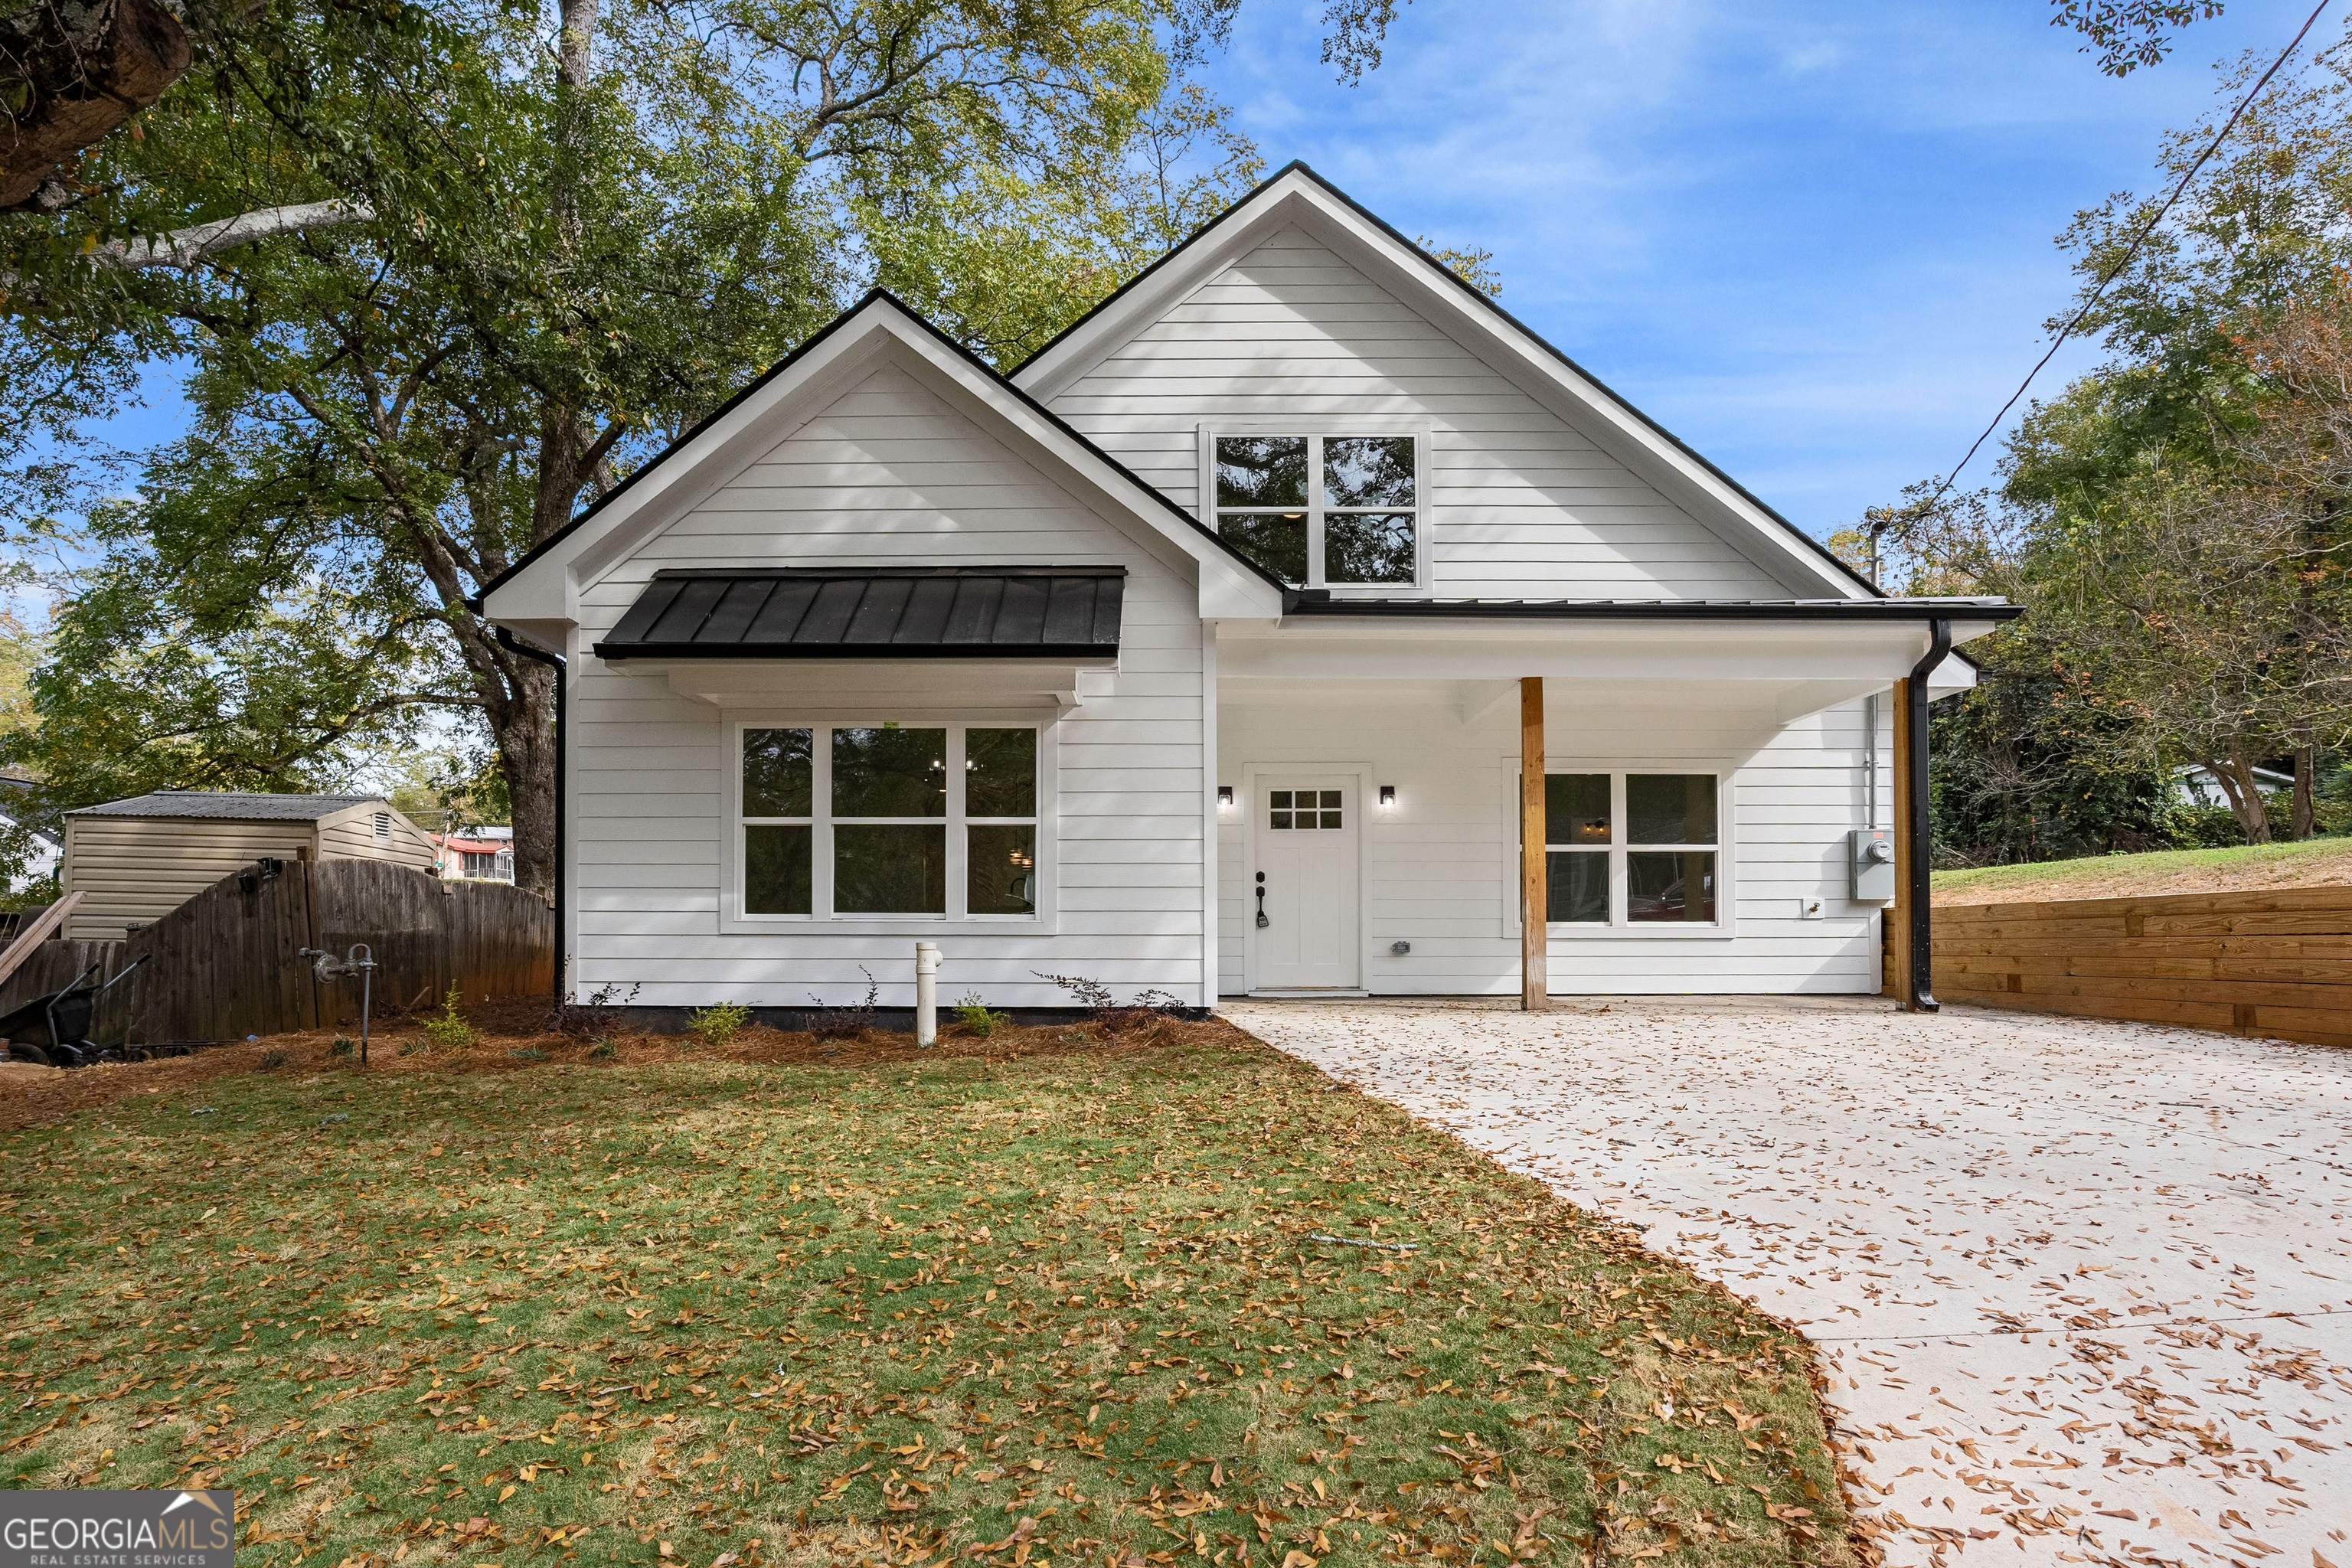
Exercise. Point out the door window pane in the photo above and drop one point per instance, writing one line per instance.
(1001, 870)
(1576, 808)
(899, 868)
(1670, 808)
(891, 773)
(776, 870)
(1262, 471)
(1670, 885)
(1368, 471)
(776, 773)
(1275, 541)
(1331, 809)
(1367, 547)
(1278, 808)
(1576, 886)
(999, 777)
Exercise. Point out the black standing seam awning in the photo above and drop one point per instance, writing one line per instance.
(889, 612)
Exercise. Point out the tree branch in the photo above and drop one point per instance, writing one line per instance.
(189, 248)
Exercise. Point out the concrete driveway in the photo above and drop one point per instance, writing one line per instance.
(2083, 1290)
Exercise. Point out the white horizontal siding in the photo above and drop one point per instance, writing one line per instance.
(888, 473)
(1520, 505)
(1439, 876)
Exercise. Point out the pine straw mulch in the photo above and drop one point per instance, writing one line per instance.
(34, 1096)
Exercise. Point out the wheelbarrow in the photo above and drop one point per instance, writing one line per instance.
(53, 1030)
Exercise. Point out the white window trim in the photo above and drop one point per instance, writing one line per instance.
(1330, 425)
(1563, 933)
(734, 920)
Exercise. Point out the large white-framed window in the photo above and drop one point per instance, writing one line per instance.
(887, 823)
(1323, 503)
(1635, 850)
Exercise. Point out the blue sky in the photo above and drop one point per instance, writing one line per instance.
(1813, 240)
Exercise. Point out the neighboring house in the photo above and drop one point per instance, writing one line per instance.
(477, 855)
(2194, 784)
(1189, 656)
(134, 861)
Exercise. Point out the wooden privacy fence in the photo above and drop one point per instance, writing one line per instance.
(226, 964)
(2275, 963)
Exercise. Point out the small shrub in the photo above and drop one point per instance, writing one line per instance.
(527, 1054)
(449, 1030)
(342, 1047)
(602, 1050)
(1149, 1007)
(272, 1060)
(973, 1015)
(598, 1017)
(717, 1027)
(843, 1023)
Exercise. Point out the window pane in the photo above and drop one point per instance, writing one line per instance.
(1576, 886)
(1261, 470)
(1332, 819)
(776, 870)
(1367, 547)
(999, 773)
(1677, 886)
(1576, 808)
(1279, 819)
(1000, 872)
(776, 773)
(898, 869)
(1275, 541)
(1279, 799)
(1670, 808)
(889, 772)
(1330, 799)
(1368, 471)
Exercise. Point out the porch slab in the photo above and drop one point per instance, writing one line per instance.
(2082, 1290)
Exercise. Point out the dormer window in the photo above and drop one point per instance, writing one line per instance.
(1340, 512)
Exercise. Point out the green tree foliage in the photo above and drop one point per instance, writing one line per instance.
(512, 260)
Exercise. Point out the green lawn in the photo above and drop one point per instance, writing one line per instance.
(2314, 862)
(1064, 1307)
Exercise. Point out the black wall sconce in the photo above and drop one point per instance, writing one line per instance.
(1388, 797)
(1224, 794)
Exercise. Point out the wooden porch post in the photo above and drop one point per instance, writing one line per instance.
(1534, 932)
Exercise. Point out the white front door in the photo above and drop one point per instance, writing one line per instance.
(1303, 894)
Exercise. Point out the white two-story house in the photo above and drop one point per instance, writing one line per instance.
(1222, 647)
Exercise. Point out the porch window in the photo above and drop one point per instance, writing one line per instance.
(879, 820)
(1336, 511)
(1631, 849)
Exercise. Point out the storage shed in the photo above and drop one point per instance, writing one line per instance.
(136, 861)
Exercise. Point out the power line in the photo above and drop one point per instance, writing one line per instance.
(2132, 251)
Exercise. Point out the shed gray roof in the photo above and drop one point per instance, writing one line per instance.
(227, 805)
(969, 611)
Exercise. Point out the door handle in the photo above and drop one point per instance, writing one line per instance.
(1262, 921)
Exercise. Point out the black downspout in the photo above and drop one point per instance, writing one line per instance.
(1915, 691)
(508, 640)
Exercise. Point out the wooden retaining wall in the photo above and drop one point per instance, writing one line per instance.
(2277, 964)
(226, 963)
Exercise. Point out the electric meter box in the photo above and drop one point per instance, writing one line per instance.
(1874, 865)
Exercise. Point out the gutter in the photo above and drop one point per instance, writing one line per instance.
(1921, 997)
(1318, 603)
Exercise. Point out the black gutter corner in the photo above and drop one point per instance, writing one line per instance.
(1921, 997)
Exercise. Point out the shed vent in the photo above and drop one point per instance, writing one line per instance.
(383, 828)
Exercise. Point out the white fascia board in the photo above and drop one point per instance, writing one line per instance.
(1296, 198)
(547, 590)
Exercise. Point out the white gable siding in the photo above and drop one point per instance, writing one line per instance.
(1440, 865)
(890, 473)
(1522, 506)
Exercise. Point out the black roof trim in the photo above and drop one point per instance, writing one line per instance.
(1297, 602)
(874, 612)
(1455, 279)
(872, 297)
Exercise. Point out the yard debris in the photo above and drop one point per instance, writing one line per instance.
(1383, 1245)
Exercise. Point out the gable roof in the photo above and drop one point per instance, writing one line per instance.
(1295, 194)
(754, 419)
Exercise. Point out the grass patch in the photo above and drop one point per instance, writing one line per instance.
(2249, 867)
(1065, 1306)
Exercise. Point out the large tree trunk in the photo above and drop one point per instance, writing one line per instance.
(2306, 807)
(523, 728)
(70, 72)
(2245, 796)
